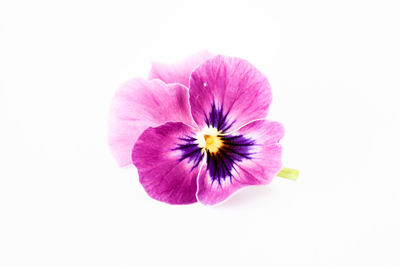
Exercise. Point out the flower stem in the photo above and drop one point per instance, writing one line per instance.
(291, 174)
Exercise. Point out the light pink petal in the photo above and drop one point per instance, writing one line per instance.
(264, 164)
(140, 103)
(180, 72)
(232, 85)
(163, 171)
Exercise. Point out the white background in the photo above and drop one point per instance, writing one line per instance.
(334, 70)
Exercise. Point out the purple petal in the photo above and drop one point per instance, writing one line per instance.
(178, 73)
(260, 163)
(164, 171)
(231, 87)
(139, 104)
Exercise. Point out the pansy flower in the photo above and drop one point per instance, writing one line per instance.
(196, 131)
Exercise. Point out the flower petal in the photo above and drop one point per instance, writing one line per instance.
(264, 164)
(178, 73)
(163, 171)
(140, 103)
(232, 87)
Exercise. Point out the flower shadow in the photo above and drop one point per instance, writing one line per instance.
(249, 196)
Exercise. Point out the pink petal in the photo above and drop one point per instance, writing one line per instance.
(232, 85)
(260, 169)
(163, 173)
(140, 103)
(178, 73)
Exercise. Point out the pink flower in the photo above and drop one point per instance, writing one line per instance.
(196, 131)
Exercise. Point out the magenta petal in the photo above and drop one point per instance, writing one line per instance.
(231, 86)
(178, 73)
(164, 174)
(263, 165)
(140, 103)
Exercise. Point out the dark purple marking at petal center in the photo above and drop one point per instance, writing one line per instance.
(190, 150)
(218, 119)
(219, 164)
(235, 148)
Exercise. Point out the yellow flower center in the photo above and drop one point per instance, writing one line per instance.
(213, 143)
(209, 140)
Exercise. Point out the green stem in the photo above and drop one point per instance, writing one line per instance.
(291, 174)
